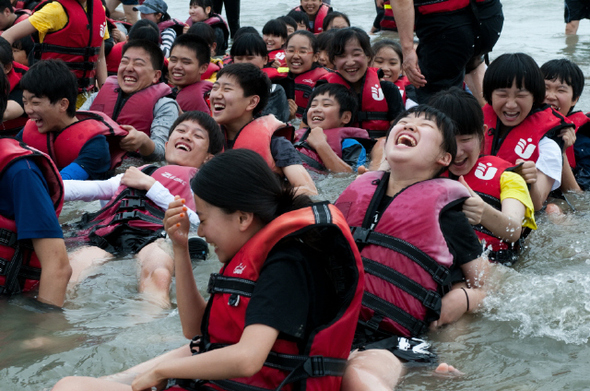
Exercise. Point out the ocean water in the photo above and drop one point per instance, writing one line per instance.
(531, 335)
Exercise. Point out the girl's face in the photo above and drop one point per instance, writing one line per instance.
(273, 42)
(337, 23)
(311, 7)
(324, 59)
(353, 63)
(512, 105)
(257, 60)
(299, 54)
(468, 150)
(559, 95)
(20, 56)
(198, 13)
(389, 62)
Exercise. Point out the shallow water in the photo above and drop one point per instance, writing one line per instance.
(532, 334)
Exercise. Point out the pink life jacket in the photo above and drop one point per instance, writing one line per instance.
(192, 97)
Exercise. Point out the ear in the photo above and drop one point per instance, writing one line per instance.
(574, 102)
(346, 117)
(213, 47)
(254, 100)
(157, 76)
(316, 57)
(208, 10)
(7, 11)
(444, 159)
(208, 157)
(245, 220)
(63, 105)
(203, 68)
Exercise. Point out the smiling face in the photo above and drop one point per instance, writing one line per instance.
(512, 105)
(560, 96)
(311, 7)
(228, 103)
(299, 54)
(272, 41)
(257, 60)
(324, 112)
(188, 145)
(198, 13)
(468, 151)
(183, 67)
(136, 71)
(352, 64)
(389, 62)
(324, 59)
(46, 115)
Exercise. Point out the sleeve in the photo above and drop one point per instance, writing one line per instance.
(277, 104)
(165, 113)
(353, 153)
(550, 160)
(162, 197)
(395, 103)
(283, 152)
(91, 190)
(95, 157)
(88, 102)
(460, 236)
(513, 185)
(168, 37)
(50, 18)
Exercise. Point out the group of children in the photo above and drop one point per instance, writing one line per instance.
(402, 250)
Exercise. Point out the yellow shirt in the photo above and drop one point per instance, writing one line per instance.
(52, 18)
(513, 185)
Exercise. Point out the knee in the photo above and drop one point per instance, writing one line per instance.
(70, 383)
(374, 369)
(161, 277)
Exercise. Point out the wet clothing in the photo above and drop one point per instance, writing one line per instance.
(576, 10)
(277, 104)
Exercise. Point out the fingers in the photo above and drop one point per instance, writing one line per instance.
(464, 183)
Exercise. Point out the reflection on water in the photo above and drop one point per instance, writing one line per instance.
(532, 334)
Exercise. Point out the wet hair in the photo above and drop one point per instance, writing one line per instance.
(196, 44)
(251, 79)
(6, 56)
(153, 50)
(388, 43)
(289, 21)
(245, 30)
(444, 123)
(343, 36)
(204, 31)
(333, 15)
(52, 79)
(299, 17)
(203, 4)
(462, 108)
(6, 4)
(345, 98)
(325, 39)
(309, 35)
(146, 30)
(240, 180)
(216, 138)
(276, 27)
(248, 45)
(567, 72)
(514, 67)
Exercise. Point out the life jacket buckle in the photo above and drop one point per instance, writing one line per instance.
(432, 301)
(374, 322)
(132, 203)
(126, 216)
(234, 300)
(314, 366)
(212, 282)
(361, 235)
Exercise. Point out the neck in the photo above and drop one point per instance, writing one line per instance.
(232, 129)
(67, 122)
(402, 178)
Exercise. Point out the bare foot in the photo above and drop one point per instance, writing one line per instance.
(447, 370)
(555, 214)
(361, 170)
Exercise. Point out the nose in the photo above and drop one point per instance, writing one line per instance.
(511, 102)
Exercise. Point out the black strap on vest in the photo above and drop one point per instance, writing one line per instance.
(302, 143)
(14, 270)
(363, 116)
(383, 308)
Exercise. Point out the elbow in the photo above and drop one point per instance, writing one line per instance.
(249, 366)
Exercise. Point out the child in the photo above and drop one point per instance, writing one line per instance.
(500, 206)
(83, 145)
(202, 11)
(389, 58)
(324, 41)
(316, 11)
(238, 96)
(290, 23)
(290, 286)
(335, 20)
(156, 11)
(304, 71)
(521, 129)
(274, 34)
(409, 257)
(130, 223)
(189, 59)
(251, 48)
(328, 144)
(10, 16)
(564, 83)
(300, 18)
(21, 49)
(206, 32)
(380, 101)
(14, 115)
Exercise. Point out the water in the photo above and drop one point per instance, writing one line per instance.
(532, 334)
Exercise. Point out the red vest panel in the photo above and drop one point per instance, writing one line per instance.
(318, 24)
(192, 98)
(304, 85)
(579, 119)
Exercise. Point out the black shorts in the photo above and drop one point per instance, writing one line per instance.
(125, 239)
(576, 10)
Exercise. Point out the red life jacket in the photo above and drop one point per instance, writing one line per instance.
(65, 146)
(136, 109)
(192, 97)
(522, 141)
(425, 7)
(374, 109)
(334, 136)
(318, 24)
(256, 136)
(328, 346)
(388, 21)
(20, 268)
(114, 57)
(405, 256)
(275, 74)
(579, 119)
(131, 206)
(279, 55)
(215, 21)
(16, 73)
(211, 69)
(174, 24)
(78, 43)
(304, 85)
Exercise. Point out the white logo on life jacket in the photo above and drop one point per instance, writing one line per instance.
(308, 81)
(103, 28)
(174, 178)
(280, 55)
(377, 92)
(240, 269)
(523, 150)
(485, 172)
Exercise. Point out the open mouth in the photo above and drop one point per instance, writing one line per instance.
(511, 115)
(129, 79)
(183, 146)
(218, 107)
(405, 139)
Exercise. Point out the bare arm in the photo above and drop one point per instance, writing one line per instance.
(18, 31)
(13, 110)
(540, 190)
(299, 178)
(568, 180)
(55, 270)
(101, 67)
(403, 12)
(318, 141)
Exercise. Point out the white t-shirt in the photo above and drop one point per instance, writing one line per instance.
(550, 160)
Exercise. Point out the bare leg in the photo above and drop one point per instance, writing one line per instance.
(130, 15)
(571, 28)
(474, 81)
(85, 260)
(374, 370)
(156, 270)
(112, 7)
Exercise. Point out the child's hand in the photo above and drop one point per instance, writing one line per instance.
(528, 171)
(569, 137)
(292, 108)
(133, 177)
(134, 140)
(276, 64)
(176, 222)
(473, 207)
(185, 29)
(316, 137)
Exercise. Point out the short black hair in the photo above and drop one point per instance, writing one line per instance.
(344, 96)
(325, 39)
(245, 30)
(276, 27)
(248, 45)
(463, 108)
(153, 50)
(145, 29)
(567, 72)
(52, 79)
(216, 138)
(196, 44)
(388, 43)
(309, 35)
(516, 68)
(6, 4)
(343, 36)
(299, 17)
(6, 56)
(252, 80)
(289, 21)
(203, 4)
(204, 31)
(333, 15)
(25, 43)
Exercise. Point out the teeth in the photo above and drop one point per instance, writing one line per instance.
(218, 106)
(129, 79)
(183, 146)
(316, 118)
(406, 140)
